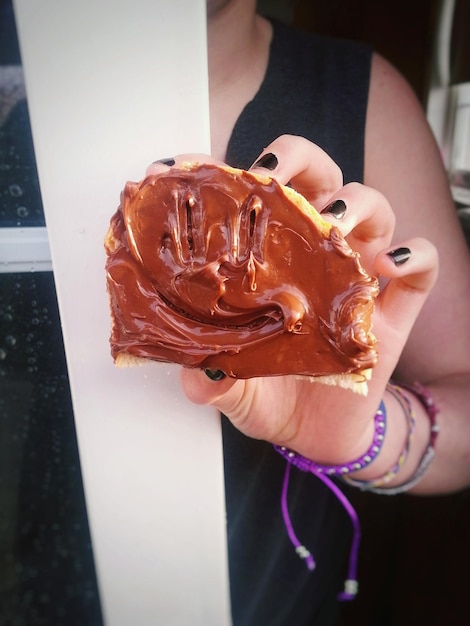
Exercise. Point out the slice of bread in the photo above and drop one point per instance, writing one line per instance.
(215, 267)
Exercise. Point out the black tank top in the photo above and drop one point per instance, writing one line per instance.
(315, 87)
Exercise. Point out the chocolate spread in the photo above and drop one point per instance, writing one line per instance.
(211, 268)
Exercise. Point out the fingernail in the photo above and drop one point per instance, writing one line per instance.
(214, 374)
(268, 161)
(168, 162)
(400, 255)
(336, 208)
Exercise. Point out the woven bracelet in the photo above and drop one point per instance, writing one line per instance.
(390, 474)
(306, 465)
(423, 395)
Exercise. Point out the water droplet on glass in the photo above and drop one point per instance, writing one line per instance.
(22, 211)
(10, 340)
(3, 354)
(15, 191)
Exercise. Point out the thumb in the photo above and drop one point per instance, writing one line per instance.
(211, 387)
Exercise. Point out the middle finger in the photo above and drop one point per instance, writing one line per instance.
(366, 220)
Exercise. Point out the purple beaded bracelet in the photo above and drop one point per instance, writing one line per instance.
(306, 465)
(390, 474)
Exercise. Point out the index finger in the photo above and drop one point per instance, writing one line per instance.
(303, 164)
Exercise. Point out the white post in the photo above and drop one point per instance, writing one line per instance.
(113, 85)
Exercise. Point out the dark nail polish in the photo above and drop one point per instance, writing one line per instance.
(400, 255)
(336, 208)
(168, 162)
(268, 161)
(215, 375)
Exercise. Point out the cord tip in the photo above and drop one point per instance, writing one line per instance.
(306, 556)
(351, 588)
(310, 563)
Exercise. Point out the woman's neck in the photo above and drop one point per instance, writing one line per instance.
(238, 53)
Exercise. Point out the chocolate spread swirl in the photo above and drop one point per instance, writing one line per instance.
(209, 267)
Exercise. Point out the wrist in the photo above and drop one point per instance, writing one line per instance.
(350, 467)
(417, 406)
(374, 470)
(396, 450)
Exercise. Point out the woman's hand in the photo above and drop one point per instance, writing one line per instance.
(328, 424)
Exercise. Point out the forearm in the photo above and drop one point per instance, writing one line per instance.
(450, 469)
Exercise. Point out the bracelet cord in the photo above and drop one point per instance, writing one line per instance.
(324, 473)
(351, 585)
